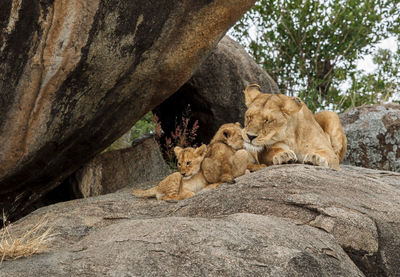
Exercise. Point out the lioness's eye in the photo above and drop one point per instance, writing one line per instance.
(266, 121)
(187, 163)
(179, 164)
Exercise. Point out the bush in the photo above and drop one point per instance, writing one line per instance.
(184, 135)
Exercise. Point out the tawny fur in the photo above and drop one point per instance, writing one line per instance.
(284, 130)
(183, 184)
(330, 123)
(168, 189)
(226, 159)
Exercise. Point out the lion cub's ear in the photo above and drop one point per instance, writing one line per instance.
(297, 100)
(226, 133)
(238, 124)
(200, 151)
(291, 105)
(178, 150)
(251, 92)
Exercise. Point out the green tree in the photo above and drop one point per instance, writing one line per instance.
(310, 47)
(377, 86)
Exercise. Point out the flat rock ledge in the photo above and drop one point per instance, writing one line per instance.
(289, 220)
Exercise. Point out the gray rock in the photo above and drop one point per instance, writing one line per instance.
(373, 135)
(215, 91)
(113, 170)
(288, 220)
(235, 245)
(76, 75)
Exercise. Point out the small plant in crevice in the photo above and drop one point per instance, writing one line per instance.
(184, 135)
(26, 244)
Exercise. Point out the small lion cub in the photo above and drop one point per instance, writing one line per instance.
(226, 159)
(183, 184)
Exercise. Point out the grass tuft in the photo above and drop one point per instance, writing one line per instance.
(31, 242)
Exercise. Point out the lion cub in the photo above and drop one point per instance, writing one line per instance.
(183, 184)
(226, 159)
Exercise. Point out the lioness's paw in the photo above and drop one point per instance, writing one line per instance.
(284, 157)
(315, 159)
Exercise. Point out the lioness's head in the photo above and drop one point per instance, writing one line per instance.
(267, 117)
(189, 159)
(230, 134)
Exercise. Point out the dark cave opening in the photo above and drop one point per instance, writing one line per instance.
(186, 103)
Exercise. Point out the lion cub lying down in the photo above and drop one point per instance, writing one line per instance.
(282, 129)
(182, 184)
(205, 167)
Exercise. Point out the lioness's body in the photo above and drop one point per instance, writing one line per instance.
(226, 159)
(282, 129)
(330, 123)
(182, 184)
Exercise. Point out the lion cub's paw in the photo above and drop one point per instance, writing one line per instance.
(255, 167)
(185, 194)
(315, 159)
(284, 157)
(227, 178)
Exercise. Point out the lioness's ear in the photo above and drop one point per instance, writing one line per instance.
(226, 133)
(178, 150)
(201, 150)
(291, 105)
(251, 92)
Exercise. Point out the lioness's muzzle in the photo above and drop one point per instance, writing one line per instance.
(251, 137)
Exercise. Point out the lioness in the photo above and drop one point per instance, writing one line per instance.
(226, 159)
(183, 184)
(330, 123)
(284, 130)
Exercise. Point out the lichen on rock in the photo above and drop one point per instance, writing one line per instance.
(373, 135)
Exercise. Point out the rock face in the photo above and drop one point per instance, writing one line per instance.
(76, 75)
(215, 91)
(289, 220)
(373, 135)
(113, 170)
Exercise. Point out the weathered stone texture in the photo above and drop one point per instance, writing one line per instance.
(75, 75)
(215, 91)
(373, 135)
(235, 245)
(288, 220)
(113, 170)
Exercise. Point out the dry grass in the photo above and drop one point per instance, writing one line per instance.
(31, 242)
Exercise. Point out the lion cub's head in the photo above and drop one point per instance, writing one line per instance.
(267, 118)
(230, 134)
(189, 159)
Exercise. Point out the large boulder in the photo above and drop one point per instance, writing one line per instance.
(288, 220)
(215, 91)
(76, 75)
(113, 170)
(373, 136)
